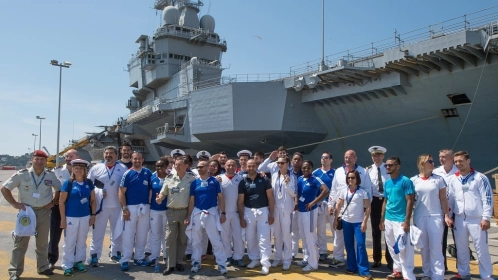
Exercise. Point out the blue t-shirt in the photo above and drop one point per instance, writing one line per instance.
(78, 198)
(205, 192)
(307, 188)
(326, 178)
(157, 185)
(137, 186)
(298, 173)
(396, 190)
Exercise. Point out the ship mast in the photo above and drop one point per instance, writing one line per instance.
(322, 63)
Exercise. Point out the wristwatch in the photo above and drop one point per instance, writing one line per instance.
(124, 208)
(223, 213)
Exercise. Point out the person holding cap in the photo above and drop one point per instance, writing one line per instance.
(378, 176)
(35, 190)
(77, 208)
(244, 156)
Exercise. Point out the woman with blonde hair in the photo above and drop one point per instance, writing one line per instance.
(430, 214)
(77, 207)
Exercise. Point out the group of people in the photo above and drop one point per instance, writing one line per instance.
(180, 210)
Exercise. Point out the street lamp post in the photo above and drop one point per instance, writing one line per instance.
(39, 139)
(34, 143)
(66, 64)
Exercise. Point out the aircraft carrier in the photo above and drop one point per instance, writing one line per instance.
(416, 92)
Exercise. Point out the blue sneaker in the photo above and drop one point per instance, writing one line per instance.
(125, 266)
(116, 258)
(142, 262)
(94, 262)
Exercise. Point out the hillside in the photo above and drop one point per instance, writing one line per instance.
(17, 161)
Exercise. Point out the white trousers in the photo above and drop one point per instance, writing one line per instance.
(282, 234)
(108, 214)
(432, 241)
(465, 226)
(135, 232)
(296, 235)
(206, 223)
(402, 262)
(157, 234)
(321, 231)
(232, 234)
(75, 241)
(205, 242)
(258, 235)
(338, 253)
(307, 225)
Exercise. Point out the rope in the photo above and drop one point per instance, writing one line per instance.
(473, 100)
(362, 133)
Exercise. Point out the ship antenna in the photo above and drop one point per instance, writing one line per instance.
(322, 64)
(209, 7)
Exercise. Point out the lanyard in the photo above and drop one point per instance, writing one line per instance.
(37, 184)
(466, 178)
(280, 182)
(107, 169)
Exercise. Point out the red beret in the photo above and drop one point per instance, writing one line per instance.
(40, 153)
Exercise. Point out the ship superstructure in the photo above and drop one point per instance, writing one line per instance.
(412, 95)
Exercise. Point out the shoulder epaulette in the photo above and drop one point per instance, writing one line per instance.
(49, 170)
(22, 170)
(368, 167)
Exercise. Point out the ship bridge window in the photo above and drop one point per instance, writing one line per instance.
(459, 99)
(170, 55)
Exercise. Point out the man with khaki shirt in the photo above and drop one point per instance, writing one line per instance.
(35, 190)
(176, 188)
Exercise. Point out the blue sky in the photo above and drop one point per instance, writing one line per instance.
(98, 38)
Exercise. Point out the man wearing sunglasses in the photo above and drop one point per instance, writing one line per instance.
(339, 185)
(399, 198)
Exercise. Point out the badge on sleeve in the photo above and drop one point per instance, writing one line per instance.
(48, 183)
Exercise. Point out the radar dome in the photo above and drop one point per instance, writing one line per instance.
(171, 15)
(207, 22)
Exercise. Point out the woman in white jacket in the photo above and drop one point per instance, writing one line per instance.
(430, 214)
(284, 191)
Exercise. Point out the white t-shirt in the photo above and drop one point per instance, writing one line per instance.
(355, 212)
(427, 201)
(284, 193)
(230, 190)
(111, 179)
(446, 176)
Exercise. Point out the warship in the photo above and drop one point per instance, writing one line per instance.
(416, 92)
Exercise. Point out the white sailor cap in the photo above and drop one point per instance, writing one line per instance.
(80, 162)
(377, 150)
(244, 153)
(203, 154)
(177, 152)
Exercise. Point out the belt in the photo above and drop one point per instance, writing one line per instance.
(38, 208)
(171, 208)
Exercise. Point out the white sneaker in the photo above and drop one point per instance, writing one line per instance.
(275, 263)
(265, 270)
(222, 269)
(254, 264)
(308, 268)
(302, 263)
(286, 267)
(195, 267)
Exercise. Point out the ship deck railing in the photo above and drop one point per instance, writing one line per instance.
(240, 78)
(484, 19)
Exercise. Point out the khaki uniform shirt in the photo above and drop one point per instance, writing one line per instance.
(177, 190)
(37, 192)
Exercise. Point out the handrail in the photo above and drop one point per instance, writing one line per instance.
(482, 19)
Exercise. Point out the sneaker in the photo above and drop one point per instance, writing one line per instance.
(349, 271)
(323, 257)
(276, 263)
(94, 261)
(337, 263)
(254, 264)
(302, 263)
(367, 277)
(286, 267)
(147, 254)
(460, 277)
(116, 258)
(142, 262)
(189, 257)
(222, 269)
(79, 267)
(395, 275)
(195, 267)
(265, 270)
(229, 261)
(68, 272)
(125, 266)
(308, 268)
(239, 263)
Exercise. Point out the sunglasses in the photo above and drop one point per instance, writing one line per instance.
(350, 178)
(430, 161)
(281, 162)
(325, 157)
(389, 165)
